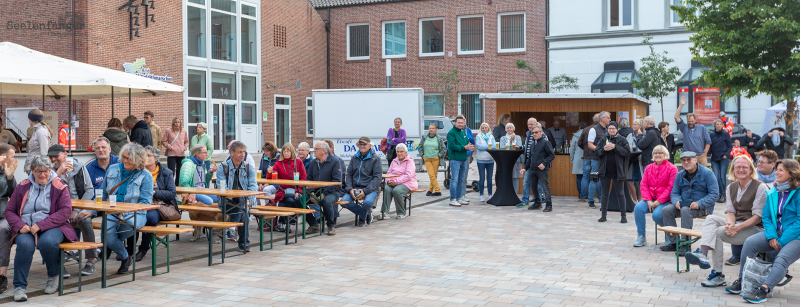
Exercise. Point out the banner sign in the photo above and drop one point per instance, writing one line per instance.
(137, 68)
(706, 104)
(347, 148)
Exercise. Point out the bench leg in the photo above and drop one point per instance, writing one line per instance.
(260, 222)
(155, 241)
(80, 275)
(210, 249)
(656, 229)
(678, 252)
(61, 272)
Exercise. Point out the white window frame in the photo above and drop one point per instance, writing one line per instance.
(444, 105)
(282, 107)
(500, 35)
(258, 32)
(309, 108)
(483, 106)
(238, 31)
(383, 39)
(483, 37)
(207, 44)
(422, 54)
(349, 58)
(621, 13)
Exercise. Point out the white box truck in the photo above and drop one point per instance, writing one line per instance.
(345, 115)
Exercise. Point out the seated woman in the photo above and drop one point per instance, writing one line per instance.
(194, 175)
(781, 231)
(266, 167)
(128, 182)
(512, 140)
(399, 187)
(163, 194)
(656, 186)
(288, 195)
(45, 217)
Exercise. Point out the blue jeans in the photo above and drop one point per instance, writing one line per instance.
(485, 171)
(579, 185)
(48, 248)
(117, 234)
(587, 184)
(639, 212)
(720, 173)
(237, 215)
(152, 220)
(207, 200)
(526, 188)
(458, 168)
(366, 205)
(294, 202)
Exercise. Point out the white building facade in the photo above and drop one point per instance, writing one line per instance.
(599, 42)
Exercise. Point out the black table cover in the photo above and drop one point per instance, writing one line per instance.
(613, 204)
(504, 194)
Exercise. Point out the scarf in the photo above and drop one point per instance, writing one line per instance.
(508, 136)
(486, 136)
(766, 178)
(782, 186)
(155, 175)
(196, 160)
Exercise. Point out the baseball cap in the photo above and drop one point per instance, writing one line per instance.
(688, 154)
(55, 150)
(364, 140)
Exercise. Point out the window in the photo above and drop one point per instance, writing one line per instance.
(223, 86)
(196, 88)
(676, 21)
(197, 84)
(511, 32)
(249, 36)
(470, 34)
(431, 37)
(394, 39)
(249, 86)
(427, 123)
(309, 117)
(472, 108)
(196, 27)
(620, 14)
(223, 36)
(197, 111)
(225, 5)
(358, 41)
(434, 105)
(283, 119)
(249, 114)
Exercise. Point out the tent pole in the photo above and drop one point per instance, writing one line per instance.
(129, 102)
(43, 98)
(112, 102)
(69, 119)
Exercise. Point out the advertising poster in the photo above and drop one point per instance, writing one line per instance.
(623, 114)
(706, 104)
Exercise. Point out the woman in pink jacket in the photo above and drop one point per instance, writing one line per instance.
(175, 141)
(656, 186)
(399, 187)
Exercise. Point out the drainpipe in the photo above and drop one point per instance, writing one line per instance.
(547, 43)
(328, 49)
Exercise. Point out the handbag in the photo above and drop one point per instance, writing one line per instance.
(166, 211)
(384, 145)
(755, 273)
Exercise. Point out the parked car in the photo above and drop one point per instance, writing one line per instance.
(738, 133)
(444, 124)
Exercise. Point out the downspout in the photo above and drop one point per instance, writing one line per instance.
(547, 43)
(328, 49)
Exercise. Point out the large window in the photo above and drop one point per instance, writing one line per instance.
(223, 38)
(394, 39)
(249, 35)
(431, 37)
(470, 34)
(358, 41)
(196, 27)
(283, 120)
(223, 86)
(511, 32)
(620, 14)
(472, 108)
(196, 90)
(249, 88)
(434, 105)
(309, 117)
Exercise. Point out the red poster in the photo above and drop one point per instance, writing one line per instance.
(706, 104)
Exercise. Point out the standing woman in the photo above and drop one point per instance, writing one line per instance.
(433, 151)
(484, 141)
(613, 167)
(176, 141)
(513, 140)
(635, 175)
(116, 136)
(393, 137)
(202, 138)
(721, 147)
(39, 141)
(667, 139)
(576, 158)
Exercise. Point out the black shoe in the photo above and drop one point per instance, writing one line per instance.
(548, 208)
(591, 205)
(312, 229)
(602, 219)
(125, 265)
(735, 287)
(668, 248)
(429, 193)
(683, 250)
(535, 206)
(140, 255)
(623, 220)
(760, 295)
(721, 199)
(3, 284)
(280, 227)
(437, 194)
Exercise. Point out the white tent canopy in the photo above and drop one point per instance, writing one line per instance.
(771, 119)
(26, 73)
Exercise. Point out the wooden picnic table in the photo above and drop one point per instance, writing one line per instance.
(305, 184)
(387, 176)
(104, 209)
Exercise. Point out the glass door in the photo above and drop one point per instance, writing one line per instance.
(283, 119)
(224, 125)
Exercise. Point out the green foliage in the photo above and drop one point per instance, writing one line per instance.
(447, 84)
(657, 80)
(557, 83)
(750, 47)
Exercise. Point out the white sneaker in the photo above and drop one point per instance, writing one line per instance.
(483, 199)
(455, 203)
(463, 201)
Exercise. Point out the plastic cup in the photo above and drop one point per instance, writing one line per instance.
(223, 185)
(274, 176)
(258, 174)
(508, 146)
(112, 201)
(98, 196)
(296, 176)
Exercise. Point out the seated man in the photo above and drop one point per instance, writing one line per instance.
(325, 168)
(236, 174)
(743, 210)
(694, 194)
(363, 181)
(80, 187)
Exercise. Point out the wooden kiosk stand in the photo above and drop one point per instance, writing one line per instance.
(570, 109)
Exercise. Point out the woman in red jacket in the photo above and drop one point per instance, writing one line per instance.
(656, 186)
(288, 164)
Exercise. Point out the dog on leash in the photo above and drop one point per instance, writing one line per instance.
(204, 216)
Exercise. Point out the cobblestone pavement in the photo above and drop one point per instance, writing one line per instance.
(476, 255)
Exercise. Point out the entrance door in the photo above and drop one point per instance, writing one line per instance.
(224, 125)
(283, 120)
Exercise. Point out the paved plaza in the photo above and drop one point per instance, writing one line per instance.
(476, 255)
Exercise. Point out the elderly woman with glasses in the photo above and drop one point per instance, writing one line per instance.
(163, 194)
(194, 175)
(38, 214)
(127, 182)
(397, 188)
(202, 138)
(657, 182)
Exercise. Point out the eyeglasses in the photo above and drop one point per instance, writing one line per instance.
(537, 132)
(741, 167)
(39, 172)
(763, 162)
(315, 148)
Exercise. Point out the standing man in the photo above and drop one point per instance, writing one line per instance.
(547, 134)
(595, 134)
(457, 146)
(586, 181)
(500, 130)
(648, 140)
(139, 132)
(559, 135)
(236, 174)
(97, 168)
(66, 136)
(155, 130)
(727, 123)
(538, 157)
(695, 136)
(325, 167)
(363, 181)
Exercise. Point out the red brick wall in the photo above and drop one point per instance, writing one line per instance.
(488, 73)
(303, 59)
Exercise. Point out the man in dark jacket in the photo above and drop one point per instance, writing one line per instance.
(775, 140)
(538, 157)
(648, 140)
(587, 141)
(500, 130)
(8, 165)
(364, 177)
(750, 140)
(139, 130)
(325, 168)
(548, 134)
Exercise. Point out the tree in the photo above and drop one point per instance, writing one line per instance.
(749, 47)
(656, 79)
(447, 84)
(557, 83)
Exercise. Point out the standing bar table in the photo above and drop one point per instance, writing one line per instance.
(504, 194)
